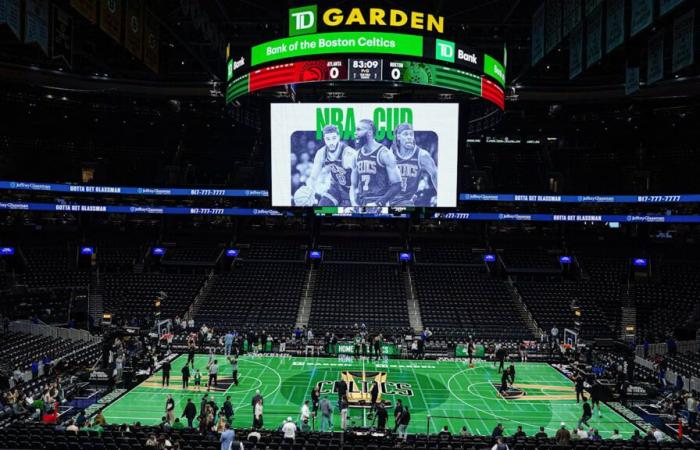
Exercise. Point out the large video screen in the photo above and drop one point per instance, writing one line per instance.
(364, 154)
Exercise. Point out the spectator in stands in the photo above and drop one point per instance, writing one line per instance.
(671, 346)
(616, 436)
(679, 383)
(541, 434)
(326, 415)
(72, 427)
(497, 431)
(581, 433)
(81, 419)
(520, 434)
(100, 418)
(658, 434)
(499, 445)
(35, 369)
(554, 339)
(152, 441)
(464, 432)
(445, 433)
(289, 430)
(190, 412)
(221, 423)
(595, 436)
(563, 436)
(164, 425)
(177, 425)
(691, 405)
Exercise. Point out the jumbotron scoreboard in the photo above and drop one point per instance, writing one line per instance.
(365, 56)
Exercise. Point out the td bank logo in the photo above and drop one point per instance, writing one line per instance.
(302, 20)
(444, 50)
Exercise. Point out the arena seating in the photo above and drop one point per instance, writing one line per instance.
(669, 299)
(192, 256)
(50, 305)
(550, 303)
(359, 249)
(447, 252)
(18, 350)
(457, 301)
(347, 293)
(257, 294)
(40, 436)
(686, 364)
(130, 295)
(272, 249)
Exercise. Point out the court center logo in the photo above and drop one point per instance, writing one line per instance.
(360, 385)
(303, 20)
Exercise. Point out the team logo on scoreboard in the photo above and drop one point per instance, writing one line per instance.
(360, 388)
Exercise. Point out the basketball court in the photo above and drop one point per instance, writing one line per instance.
(438, 393)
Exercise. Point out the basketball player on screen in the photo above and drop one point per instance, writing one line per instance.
(336, 159)
(412, 162)
(375, 177)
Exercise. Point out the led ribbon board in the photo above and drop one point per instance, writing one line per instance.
(366, 69)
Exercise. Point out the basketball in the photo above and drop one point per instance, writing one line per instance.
(304, 196)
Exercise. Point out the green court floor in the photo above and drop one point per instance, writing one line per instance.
(449, 392)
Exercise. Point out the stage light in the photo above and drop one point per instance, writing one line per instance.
(158, 251)
(315, 254)
(639, 262)
(87, 250)
(404, 256)
(232, 252)
(7, 251)
(565, 259)
(489, 258)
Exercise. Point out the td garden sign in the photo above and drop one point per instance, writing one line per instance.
(305, 20)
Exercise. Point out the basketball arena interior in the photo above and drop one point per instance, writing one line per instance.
(348, 225)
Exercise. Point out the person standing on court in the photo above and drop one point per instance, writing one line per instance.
(258, 414)
(342, 390)
(166, 374)
(344, 414)
(228, 409)
(213, 375)
(234, 369)
(382, 416)
(374, 396)
(315, 398)
(185, 376)
(190, 355)
(405, 420)
(580, 394)
(326, 415)
(228, 342)
(587, 414)
(254, 401)
(398, 410)
(170, 409)
(190, 412)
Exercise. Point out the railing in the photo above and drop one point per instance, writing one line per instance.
(24, 326)
(660, 348)
(691, 383)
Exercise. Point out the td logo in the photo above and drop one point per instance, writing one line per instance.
(444, 50)
(302, 20)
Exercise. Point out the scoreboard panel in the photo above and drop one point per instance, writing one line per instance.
(366, 69)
